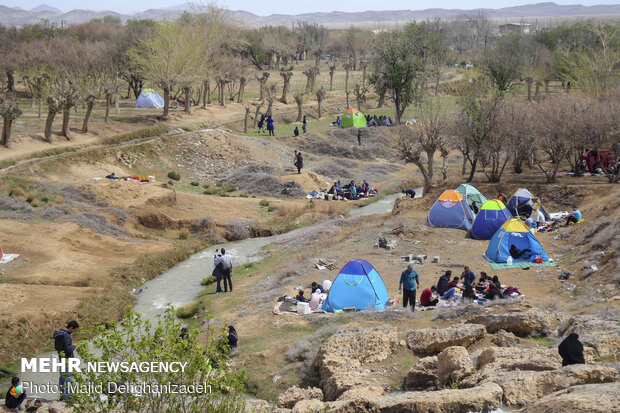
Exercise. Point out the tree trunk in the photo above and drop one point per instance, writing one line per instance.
(262, 89)
(269, 106)
(437, 84)
(529, 89)
(397, 109)
(89, 109)
(166, 103)
(32, 100)
(473, 171)
(427, 181)
(317, 59)
(245, 120)
(128, 90)
(108, 101)
(464, 166)
(10, 81)
(536, 91)
(117, 98)
(270, 57)
(48, 125)
(381, 101)
(66, 116)
(429, 163)
(358, 97)
(278, 57)
(208, 86)
(40, 105)
(300, 109)
(331, 80)
(319, 104)
(242, 83)
(188, 100)
(6, 133)
(256, 116)
(546, 87)
(444, 167)
(346, 85)
(222, 97)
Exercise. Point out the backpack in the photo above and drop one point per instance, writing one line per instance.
(59, 340)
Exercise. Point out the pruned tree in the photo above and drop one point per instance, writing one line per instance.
(287, 74)
(270, 96)
(299, 99)
(320, 96)
(332, 64)
(258, 105)
(360, 92)
(54, 105)
(347, 65)
(311, 74)
(411, 152)
(262, 81)
(9, 111)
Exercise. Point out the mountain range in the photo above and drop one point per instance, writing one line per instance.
(18, 16)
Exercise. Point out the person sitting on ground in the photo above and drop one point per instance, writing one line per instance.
(452, 284)
(483, 282)
(184, 334)
(387, 121)
(451, 293)
(409, 192)
(426, 298)
(315, 299)
(15, 396)
(537, 216)
(502, 198)
(571, 350)
(316, 286)
(296, 131)
(468, 276)
(493, 292)
(443, 282)
(474, 208)
(574, 217)
(529, 222)
(496, 282)
(469, 293)
(516, 253)
(232, 339)
(300, 296)
(366, 186)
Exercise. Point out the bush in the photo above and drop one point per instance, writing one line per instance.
(170, 183)
(174, 175)
(208, 280)
(34, 203)
(263, 203)
(272, 208)
(31, 196)
(194, 183)
(17, 191)
(188, 310)
(184, 234)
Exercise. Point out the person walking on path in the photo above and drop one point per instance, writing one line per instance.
(270, 127)
(407, 285)
(359, 138)
(65, 348)
(304, 125)
(299, 163)
(226, 261)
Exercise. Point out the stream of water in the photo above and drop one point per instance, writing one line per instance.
(181, 284)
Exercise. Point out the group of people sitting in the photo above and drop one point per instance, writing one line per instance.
(351, 191)
(318, 295)
(465, 287)
(378, 121)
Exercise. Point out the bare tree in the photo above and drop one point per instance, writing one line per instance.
(258, 106)
(552, 136)
(54, 105)
(311, 74)
(299, 99)
(287, 74)
(332, 64)
(270, 95)
(9, 110)
(262, 81)
(320, 96)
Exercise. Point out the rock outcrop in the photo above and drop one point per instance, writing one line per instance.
(591, 398)
(524, 387)
(309, 406)
(423, 375)
(294, 394)
(505, 339)
(431, 340)
(521, 323)
(453, 364)
(602, 335)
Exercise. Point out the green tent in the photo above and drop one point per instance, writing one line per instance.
(353, 118)
(472, 196)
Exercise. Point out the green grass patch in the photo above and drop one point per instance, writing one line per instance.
(139, 134)
(543, 341)
(263, 203)
(208, 280)
(190, 188)
(6, 163)
(188, 310)
(52, 152)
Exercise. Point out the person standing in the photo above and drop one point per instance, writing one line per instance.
(226, 262)
(304, 125)
(218, 273)
(261, 123)
(359, 138)
(571, 350)
(270, 126)
(408, 280)
(296, 131)
(63, 344)
(300, 162)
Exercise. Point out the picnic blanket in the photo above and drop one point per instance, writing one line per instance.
(285, 307)
(505, 266)
(8, 258)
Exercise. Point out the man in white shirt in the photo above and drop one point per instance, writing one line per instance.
(227, 266)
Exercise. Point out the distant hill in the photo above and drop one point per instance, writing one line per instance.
(17, 16)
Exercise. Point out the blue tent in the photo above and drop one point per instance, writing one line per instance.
(522, 203)
(490, 218)
(450, 211)
(148, 98)
(514, 232)
(357, 285)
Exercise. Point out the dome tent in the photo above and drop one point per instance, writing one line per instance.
(472, 196)
(357, 285)
(450, 211)
(522, 202)
(148, 98)
(514, 232)
(353, 118)
(490, 218)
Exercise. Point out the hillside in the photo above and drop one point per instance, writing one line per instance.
(17, 16)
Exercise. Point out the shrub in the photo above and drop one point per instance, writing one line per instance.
(174, 175)
(208, 280)
(263, 203)
(170, 183)
(188, 310)
(194, 183)
(17, 191)
(31, 196)
(184, 234)
(243, 195)
(34, 203)
(272, 208)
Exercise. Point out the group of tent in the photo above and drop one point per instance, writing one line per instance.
(493, 220)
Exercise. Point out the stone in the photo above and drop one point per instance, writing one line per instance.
(423, 375)
(453, 364)
(363, 392)
(482, 398)
(352, 406)
(294, 394)
(505, 339)
(309, 406)
(591, 398)
(524, 387)
(344, 380)
(521, 323)
(258, 406)
(432, 340)
(600, 334)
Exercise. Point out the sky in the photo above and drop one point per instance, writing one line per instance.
(267, 7)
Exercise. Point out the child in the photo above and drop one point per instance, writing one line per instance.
(300, 297)
(15, 396)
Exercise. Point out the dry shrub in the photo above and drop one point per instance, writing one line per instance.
(265, 184)
(17, 191)
(238, 229)
(97, 223)
(183, 234)
(31, 196)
